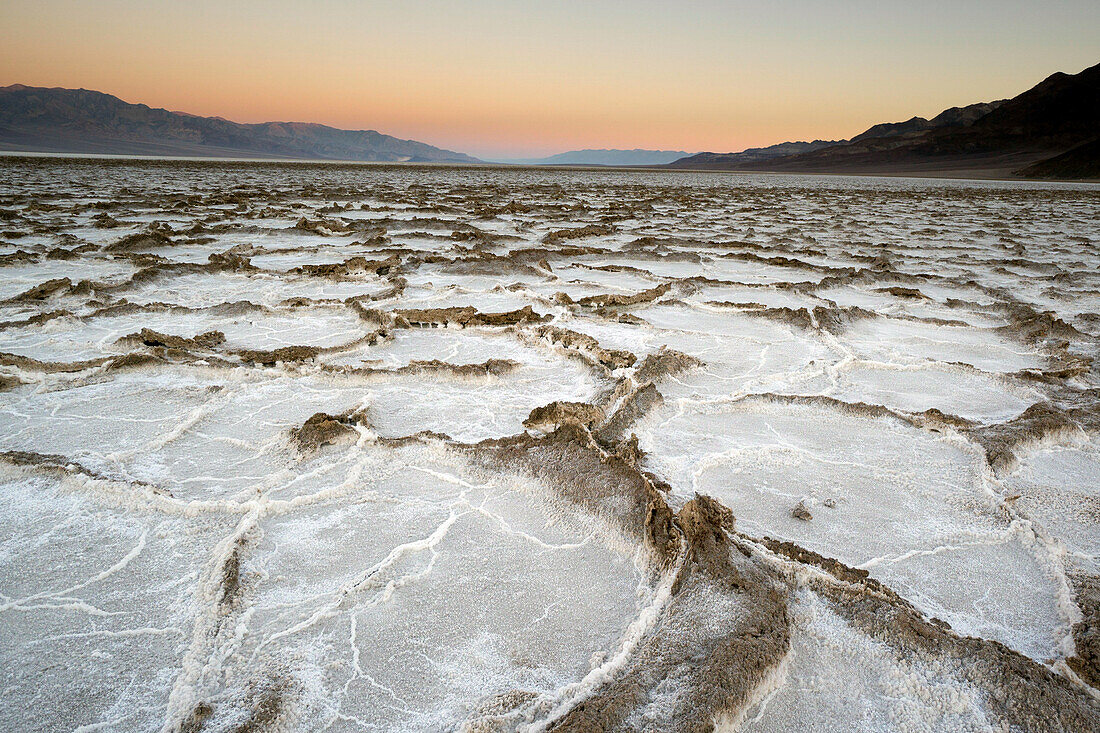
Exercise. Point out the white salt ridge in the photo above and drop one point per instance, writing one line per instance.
(71, 339)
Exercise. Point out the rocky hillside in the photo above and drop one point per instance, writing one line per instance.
(1057, 121)
(82, 121)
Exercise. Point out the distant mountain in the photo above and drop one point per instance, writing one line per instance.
(953, 116)
(956, 116)
(721, 160)
(1059, 113)
(606, 157)
(81, 121)
(1056, 121)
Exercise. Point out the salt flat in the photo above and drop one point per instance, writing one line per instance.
(389, 448)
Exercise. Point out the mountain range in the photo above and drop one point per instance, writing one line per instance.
(605, 157)
(1050, 131)
(751, 155)
(954, 116)
(81, 121)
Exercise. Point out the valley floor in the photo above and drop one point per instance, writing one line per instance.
(391, 448)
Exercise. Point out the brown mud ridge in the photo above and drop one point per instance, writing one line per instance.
(193, 348)
(558, 413)
(269, 709)
(140, 240)
(149, 337)
(833, 319)
(349, 268)
(618, 408)
(43, 290)
(1086, 632)
(585, 346)
(1021, 694)
(463, 316)
(324, 227)
(28, 364)
(582, 473)
(487, 368)
(494, 367)
(931, 419)
(632, 406)
(591, 230)
(720, 670)
(323, 429)
(605, 301)
(63, 465)
(1042, 423)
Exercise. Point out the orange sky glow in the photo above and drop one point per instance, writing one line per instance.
(501, 79)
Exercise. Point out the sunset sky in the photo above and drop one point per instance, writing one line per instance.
(514, 79)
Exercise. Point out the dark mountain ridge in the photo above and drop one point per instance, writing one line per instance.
(83, 121)
(1054, 121)
(957, 116)
(954, 117)
(751, 155)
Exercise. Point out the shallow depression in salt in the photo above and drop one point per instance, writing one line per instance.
(75, 339)
(836, 673)
(104, 583)
(403, 603)
(910, 507)
(204, 290)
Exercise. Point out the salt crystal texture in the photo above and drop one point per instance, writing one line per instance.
(393, 448)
